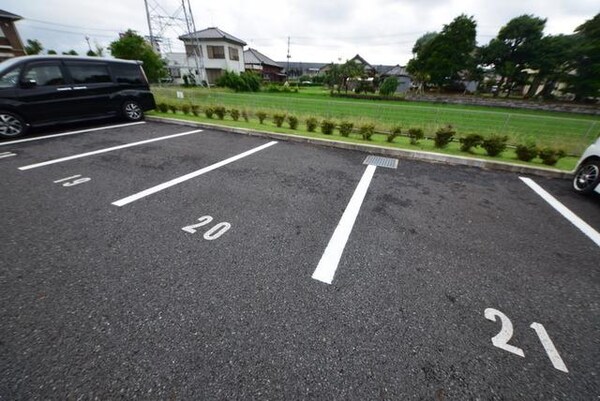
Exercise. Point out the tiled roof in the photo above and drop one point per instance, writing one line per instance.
(396, 71)
(253, 56)
(11, 16)
(212, 33)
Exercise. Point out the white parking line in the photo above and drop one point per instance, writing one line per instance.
(178, 180)
(562, 209)
(331, 257)
(6, 154)
(70, 133)
(96, 152)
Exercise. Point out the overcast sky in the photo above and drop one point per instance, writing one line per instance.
(382, 31)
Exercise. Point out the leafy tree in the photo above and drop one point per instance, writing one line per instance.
(71, 53)
(350, 69)
(389, 85)
(515, 49)
(585, 83)
(443, 57)
(552, 63)
(91, 53)
(33, 46)
(332, 76)
(51, 52)
(131, 46)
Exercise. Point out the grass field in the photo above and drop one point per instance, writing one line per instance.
(571, 132)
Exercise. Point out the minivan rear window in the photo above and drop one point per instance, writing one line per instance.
(128, 73)
(88, 73)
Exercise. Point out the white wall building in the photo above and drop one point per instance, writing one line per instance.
(211, 51)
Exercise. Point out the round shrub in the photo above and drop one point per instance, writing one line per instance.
(327, 127)
(395, 132)
(415, 135)
(278, 119)
(367, 131)
(195, 110)
(494, 145)
(220, 111)
(209, 112)
(186, 108)
(262, 116)
(293, 122)
(527, 152)
(162, 107)
(235, 114)
(470, 141)
(311, 124)
(345, 128)
(550, 156)
(173, 108)
(443, 136)
(245, 115)
(388, 87)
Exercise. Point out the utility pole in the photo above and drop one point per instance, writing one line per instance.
(188, 24)
(87, 39)
(198, 50)
(288, 58)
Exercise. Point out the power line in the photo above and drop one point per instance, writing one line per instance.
(79, 33)
(71, 26)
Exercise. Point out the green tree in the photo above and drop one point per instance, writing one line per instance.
(350, 69)
(91, 53)
(585, 83)
(51, 51)
(131, 46)
(388, 87)
(515, 49)
(33, 47)
(71, 53)
(552, 64)
(332, 77)
(445, 56)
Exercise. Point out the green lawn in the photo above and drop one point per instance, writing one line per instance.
(567, 163)
(571, 132)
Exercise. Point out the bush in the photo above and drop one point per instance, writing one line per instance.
(173, 108)
(470, 141)
(209, 111)
(261, 116)
(346, 128)
(443, 136)
(327, 127)
(395, 132)
(367, 131)
(550, 156)
(527, 152)
(293, 122)
(235, 114)
(388, 87)
(311, 124)
(220, 111)
(278, 119)
(494, 145)
(415, 135)
(245, 115)
(162, 107)
(247, 81)
(186, 108)
(195, 110)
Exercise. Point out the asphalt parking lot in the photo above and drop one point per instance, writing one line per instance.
(115, 284)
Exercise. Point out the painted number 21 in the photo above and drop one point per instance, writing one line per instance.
(501, 339)
(213, 233)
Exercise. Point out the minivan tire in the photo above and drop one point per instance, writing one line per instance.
(587, 177)
(132, 111)
(11, 125)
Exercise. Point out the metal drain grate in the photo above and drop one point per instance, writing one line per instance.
(381, 161)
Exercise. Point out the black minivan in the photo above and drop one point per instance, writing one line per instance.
(43, 90)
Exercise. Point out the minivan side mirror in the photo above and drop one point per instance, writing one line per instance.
(28, 84)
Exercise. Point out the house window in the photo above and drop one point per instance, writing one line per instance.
(233, 54)
(191, 49)
(215, 51)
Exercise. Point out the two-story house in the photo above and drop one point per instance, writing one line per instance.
(268, 69)
(10, 42)
(211, 51)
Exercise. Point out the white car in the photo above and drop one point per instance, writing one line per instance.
(587, 174)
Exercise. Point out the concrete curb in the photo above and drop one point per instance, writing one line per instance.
(380, 150)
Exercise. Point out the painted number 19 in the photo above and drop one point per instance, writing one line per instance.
(501, 339)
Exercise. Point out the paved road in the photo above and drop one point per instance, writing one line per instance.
(118, 302)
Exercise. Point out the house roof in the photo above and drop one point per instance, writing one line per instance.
(253, 56)
(396, 71)
(362, 60)
(300, 65)
(212, 34)
(10, 16)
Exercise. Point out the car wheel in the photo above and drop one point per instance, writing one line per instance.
(132, 111)
(11, 125)
(587, 177)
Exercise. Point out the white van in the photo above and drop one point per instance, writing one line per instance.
(587, 174)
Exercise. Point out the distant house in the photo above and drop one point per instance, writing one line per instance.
(368, 68)
(404, 80)
(212, 51)
(263, 65)
(296, 69)
(10, 42)
(177, 67)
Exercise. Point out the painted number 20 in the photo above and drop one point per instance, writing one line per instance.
(501, 339)
(213, 233)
